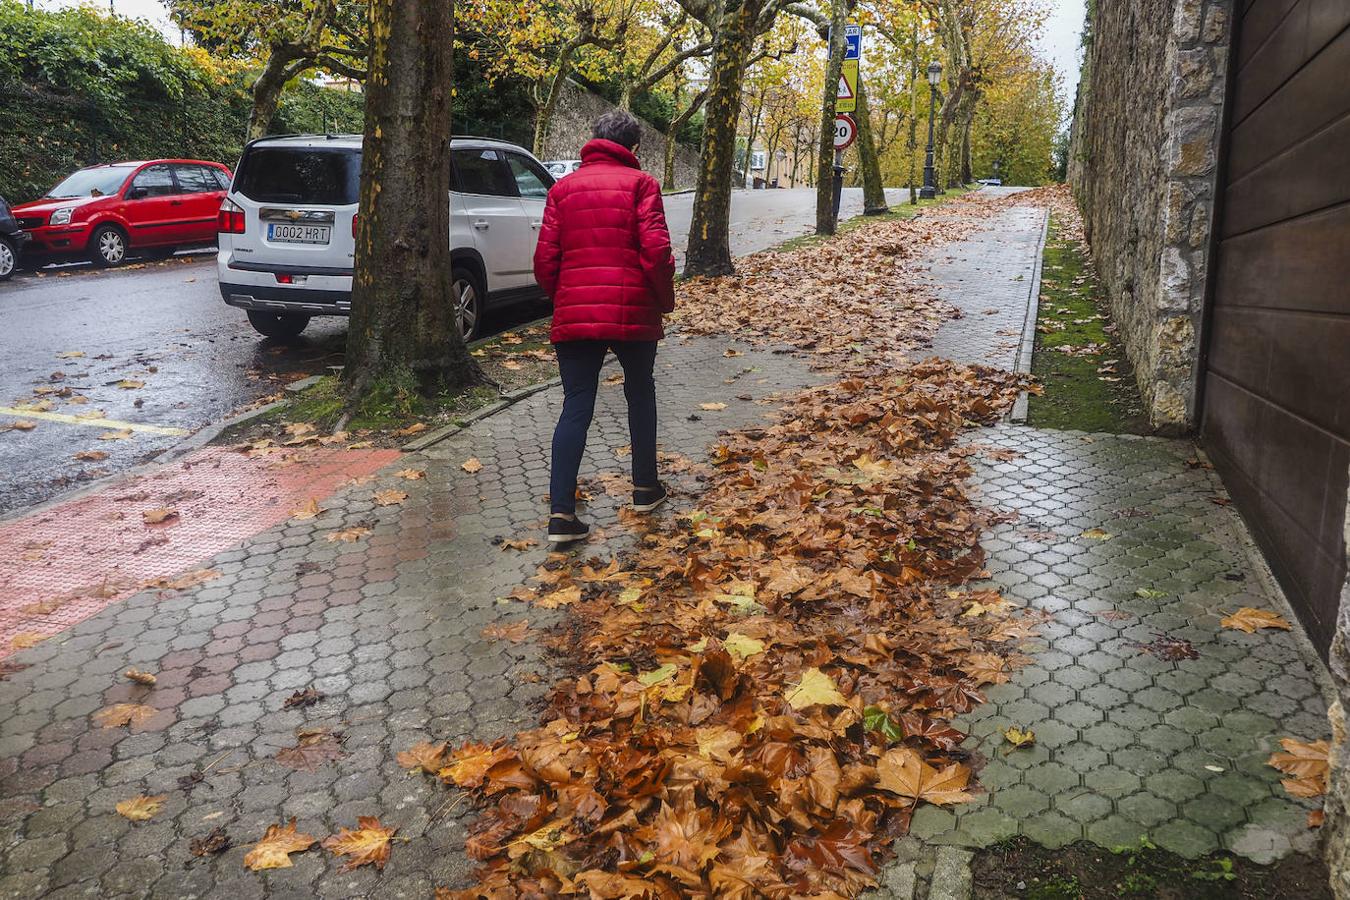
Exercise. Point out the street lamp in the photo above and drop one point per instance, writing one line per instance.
(929, 176)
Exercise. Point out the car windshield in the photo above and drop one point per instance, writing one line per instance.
(330, 176)
(98, 182)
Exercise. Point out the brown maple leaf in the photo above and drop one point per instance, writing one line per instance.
(472, 465)
(1308, 764)
(430, 758)
(515, 632)
(140, 677)
(390, 497)
(158, 516)
(308, 697)
(142, 808)
(276, 846)
(215, 841)
(368, 845)
(1251, 620)
(120, 714)
(903, 772)
(313, 748)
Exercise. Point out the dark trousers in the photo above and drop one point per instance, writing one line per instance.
(579, 364)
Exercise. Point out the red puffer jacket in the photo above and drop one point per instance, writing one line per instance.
(604, 250)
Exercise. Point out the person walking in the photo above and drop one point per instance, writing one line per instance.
(604, 257)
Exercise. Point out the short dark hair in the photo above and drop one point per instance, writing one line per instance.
(618, 126)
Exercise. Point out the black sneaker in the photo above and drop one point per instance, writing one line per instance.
(566, 531)
(648, 499)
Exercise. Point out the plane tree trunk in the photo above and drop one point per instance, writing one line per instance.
(403, 320)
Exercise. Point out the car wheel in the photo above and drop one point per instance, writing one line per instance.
(284, 326)
(467, 291)
(8, 259)
(108, 246)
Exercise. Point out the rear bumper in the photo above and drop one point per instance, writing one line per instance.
(305, 301)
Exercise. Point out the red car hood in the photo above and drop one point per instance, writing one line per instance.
(51, 206)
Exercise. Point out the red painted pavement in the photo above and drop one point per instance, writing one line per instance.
(64, 564)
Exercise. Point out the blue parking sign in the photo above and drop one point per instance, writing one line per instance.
(853, 39)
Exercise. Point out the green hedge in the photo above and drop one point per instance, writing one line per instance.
(78, 87)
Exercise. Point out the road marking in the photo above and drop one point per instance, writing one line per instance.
(95, 423)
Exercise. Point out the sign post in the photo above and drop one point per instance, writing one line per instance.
(845, 133)
(846, 101)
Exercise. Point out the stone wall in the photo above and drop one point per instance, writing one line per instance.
(1144, 166)
(1338, 790)
(578, 108)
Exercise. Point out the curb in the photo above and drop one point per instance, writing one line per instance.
(1018, 416)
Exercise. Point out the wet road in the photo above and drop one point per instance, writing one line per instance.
(155, 355)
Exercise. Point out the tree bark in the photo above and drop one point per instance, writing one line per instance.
(544, 116)
(825, 222)
(282, 65)
(874, 192)
(709, 250)
(403, 320)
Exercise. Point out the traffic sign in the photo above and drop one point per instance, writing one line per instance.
(852, 41)
(845, 132)
(846, 99)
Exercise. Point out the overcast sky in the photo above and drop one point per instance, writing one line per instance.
(1060, 43)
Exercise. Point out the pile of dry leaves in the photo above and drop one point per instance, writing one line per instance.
(763, 689)
(856, 294)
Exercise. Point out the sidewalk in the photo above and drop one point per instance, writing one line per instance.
(388, 629)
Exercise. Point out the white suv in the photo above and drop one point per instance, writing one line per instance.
(288, 229)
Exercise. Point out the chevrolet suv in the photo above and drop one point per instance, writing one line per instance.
(287, 229)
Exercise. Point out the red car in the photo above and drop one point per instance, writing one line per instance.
(109, 212)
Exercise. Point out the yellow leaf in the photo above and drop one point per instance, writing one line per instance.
(273, 851)
(742, 646)
(367, 845)
(815, 688)
(25, 639)
(472, 465)
(659, 675)
(1096, 534)
(71, 354)
(120, 714)
(309, 511)
(1019, 737)
(1251, 620)
(142, 808)
(712, 407)
(158, 516)
(130, 384)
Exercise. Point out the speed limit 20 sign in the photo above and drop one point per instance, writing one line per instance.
(845, 132)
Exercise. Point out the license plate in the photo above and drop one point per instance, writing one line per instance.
(299, 234)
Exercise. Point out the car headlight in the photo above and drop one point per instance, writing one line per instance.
(62, 216)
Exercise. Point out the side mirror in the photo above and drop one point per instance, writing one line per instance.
(138, 193)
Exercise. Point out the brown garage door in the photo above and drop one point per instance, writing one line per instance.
(1277, 388)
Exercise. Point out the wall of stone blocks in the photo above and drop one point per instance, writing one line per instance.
(578, 108)
(1144, 168)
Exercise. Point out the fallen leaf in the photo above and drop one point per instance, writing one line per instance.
(903, 772)
(742, 646)
(158, 516)
(91, 455)
(184, 582)
(815, 688)
(25, 639)
(411, 474)
(1149, 594)
(308, 697)
(130, 384)
(389, 497)
(515, 632)
(144, 678)
(71, 354)
(22, 425)
(1251, 620)
(1019, 737)
(313, 748)
(367, 845)
(472, 465)
(712, 407)
(121, 434)
(310, 510)
(430, 758)
(1308, 764)
(120, 714)
(142, 808)
(519, 543)
(348, 535)
(1097, 534)
(215, 841)
(276, 846)
(414, 428)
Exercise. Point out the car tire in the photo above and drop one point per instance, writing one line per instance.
(9, 259)
(108, 246)
(282, 326)
(467, 293)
